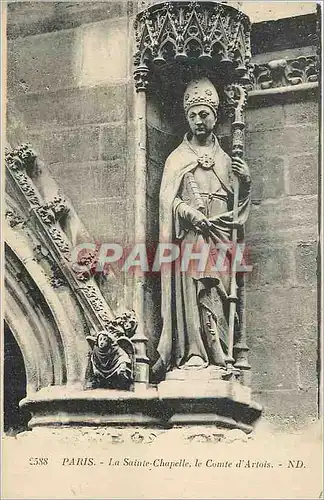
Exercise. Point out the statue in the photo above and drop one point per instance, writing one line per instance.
(196, 207)
(111, 362)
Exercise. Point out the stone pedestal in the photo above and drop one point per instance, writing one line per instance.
(218, 403)
(202, 397)
(62, 406)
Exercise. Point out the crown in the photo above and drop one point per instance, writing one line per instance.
(200, 91)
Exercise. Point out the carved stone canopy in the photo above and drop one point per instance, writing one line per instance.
(210, 32)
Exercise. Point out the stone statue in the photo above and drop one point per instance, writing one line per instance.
(111, 363)
(196, 207)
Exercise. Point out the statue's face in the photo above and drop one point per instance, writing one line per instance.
(103, 341)
(201, 121)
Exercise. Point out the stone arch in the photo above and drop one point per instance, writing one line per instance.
(53, 349)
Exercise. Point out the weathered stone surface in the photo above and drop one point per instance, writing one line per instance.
(302, 172)
(289, 409)
(306, 262)
(37, 17)
(282, 331)
(76, 64)
(288, 317)
(116, 142)
(270, 265)
(112, 288)
(267, 177)
(104, 219)
(160, 144)
(271, 35)
(302, 112)
(284, 214)
(67, 145)
(16, 131)
(43, 62)
(223, 126)
(30, 18)
(289, 140)
(278, 369)
(96, 180)
(265, 144)
(308, 358)
(100, 104)
(113, 142)
(105, 52)
(154, 177)
(276, 309)
(267, 118)
(290, 238)
(290, 364)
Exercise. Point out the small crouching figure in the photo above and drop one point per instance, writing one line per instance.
(111, 362)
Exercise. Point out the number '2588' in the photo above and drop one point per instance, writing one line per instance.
(38, 461)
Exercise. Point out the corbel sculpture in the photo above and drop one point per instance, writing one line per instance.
(112, 358)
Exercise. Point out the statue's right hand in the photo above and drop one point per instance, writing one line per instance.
(202, 226)
(197, 219)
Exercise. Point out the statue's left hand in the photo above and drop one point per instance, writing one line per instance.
(241, 169)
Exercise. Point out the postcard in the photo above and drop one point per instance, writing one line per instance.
(161, 245)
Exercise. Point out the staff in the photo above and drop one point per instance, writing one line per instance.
(238, 126)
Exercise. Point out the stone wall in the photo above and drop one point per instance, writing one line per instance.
(282, 150)
(70, 85)
(73, 91)
(70, 88)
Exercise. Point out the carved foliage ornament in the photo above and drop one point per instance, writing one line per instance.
(283, 72)
(19, 162)
(57, 279)
(54, 210)
(124, 325)
(200, 30)
(14, 219)
(87, 264)
(21, 157)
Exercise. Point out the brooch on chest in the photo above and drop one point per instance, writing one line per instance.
(206, 161)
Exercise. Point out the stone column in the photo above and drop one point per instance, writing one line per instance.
(141, 83)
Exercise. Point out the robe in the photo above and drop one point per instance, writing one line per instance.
(192, 307)
(107, 362)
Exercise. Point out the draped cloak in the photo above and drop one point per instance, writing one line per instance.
(177, 299)
(107, 361)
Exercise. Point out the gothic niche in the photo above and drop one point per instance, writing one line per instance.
(177, 42)
(192, 184)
